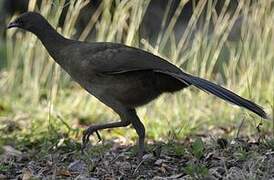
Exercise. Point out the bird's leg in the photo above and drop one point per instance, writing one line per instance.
(98, 136)
(90, 130)
(127, 116)
(140, 129)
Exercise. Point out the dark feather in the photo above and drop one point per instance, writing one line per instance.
(219, 91)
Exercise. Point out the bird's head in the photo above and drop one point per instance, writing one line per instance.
(30, 21)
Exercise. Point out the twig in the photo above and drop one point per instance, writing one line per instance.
(239, 128)
(136, 169)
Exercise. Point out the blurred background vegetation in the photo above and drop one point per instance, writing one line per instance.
(229, 42)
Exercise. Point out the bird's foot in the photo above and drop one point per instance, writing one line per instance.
(140, 156)
(87, 133)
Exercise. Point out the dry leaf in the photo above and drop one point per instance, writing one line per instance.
(63, 172)
(27, 174)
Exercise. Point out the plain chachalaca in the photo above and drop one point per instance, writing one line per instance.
(120, 76)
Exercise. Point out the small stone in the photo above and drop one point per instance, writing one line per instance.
(159, 162)
(77, 166)
(148, 156)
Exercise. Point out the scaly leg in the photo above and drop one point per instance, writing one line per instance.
(90, 130)
(128, 116)
(140, 129)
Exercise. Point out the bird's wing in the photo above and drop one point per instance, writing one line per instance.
(118, 58)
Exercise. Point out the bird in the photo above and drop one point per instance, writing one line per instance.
(121, 77)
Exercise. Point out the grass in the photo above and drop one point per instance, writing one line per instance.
(40, 99)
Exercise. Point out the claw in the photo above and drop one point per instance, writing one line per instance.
(98, 136)
(86, 134)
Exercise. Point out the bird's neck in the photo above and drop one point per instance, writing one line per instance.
(53, 41)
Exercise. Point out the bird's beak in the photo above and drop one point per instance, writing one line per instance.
(12, 25)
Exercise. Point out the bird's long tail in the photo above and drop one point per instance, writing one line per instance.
(219, 91)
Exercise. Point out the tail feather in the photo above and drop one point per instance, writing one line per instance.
(219, 91)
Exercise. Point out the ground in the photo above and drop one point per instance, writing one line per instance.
(193, 158)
